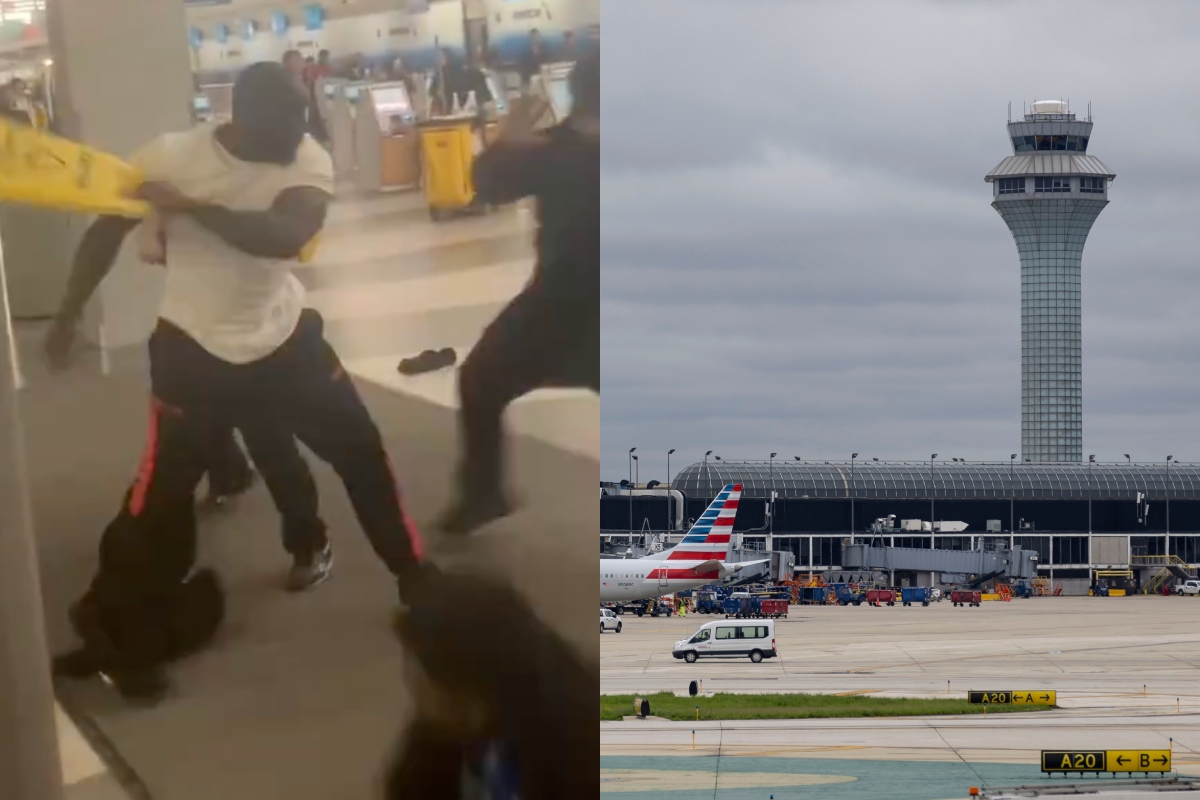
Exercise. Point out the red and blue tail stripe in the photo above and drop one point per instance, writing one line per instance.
(709, 537)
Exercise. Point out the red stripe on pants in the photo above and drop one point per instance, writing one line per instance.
(414, 536)
(145, 473)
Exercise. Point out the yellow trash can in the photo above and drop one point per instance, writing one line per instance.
(448, 149)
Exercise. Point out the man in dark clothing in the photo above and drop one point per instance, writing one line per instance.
(531, 62)
(294, 61)
(549, 335)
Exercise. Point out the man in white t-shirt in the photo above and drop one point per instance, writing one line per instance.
(234, 346)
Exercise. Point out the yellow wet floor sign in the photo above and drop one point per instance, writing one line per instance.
(41, 169)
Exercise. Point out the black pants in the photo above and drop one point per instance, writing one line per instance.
(285, 472)
(147, 551)
(538, 341)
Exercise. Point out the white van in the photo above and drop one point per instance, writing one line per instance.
(734, 637)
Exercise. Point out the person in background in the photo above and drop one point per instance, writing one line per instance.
(569, 50)
(323, 67)
(294, 62)
(531, 63)
(549, 335)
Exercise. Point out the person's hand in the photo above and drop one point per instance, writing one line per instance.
(164, 197)
(59, 343)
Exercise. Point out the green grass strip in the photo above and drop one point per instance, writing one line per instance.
(793, 706)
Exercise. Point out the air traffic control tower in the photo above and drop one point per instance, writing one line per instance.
(1049, 192)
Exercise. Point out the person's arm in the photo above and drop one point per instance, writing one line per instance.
(282, 231)
(93, 260)
(510, 170)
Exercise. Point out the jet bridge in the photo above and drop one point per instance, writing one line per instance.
(985, 564)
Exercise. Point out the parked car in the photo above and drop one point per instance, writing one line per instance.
(1188, 587)
(609, 621)
(733, 638)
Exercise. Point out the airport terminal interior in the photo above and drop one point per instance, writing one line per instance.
(302, 695)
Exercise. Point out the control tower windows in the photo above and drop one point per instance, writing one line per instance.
(1044, 142)
(1052, 185)
(1012, 186)
(1092, 185)
(1023, 144)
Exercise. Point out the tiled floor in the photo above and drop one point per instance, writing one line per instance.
(390, 284)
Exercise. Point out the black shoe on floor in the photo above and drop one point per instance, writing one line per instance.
(428, 361)
(310, 570)
(78, 665)
(468, 515)
(146, 686)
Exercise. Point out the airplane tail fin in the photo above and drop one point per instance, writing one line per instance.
(709, 539)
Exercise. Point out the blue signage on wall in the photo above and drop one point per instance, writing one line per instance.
(314, 18)
(280, 23)
(195, 37)
(221, 33)
(249, 28)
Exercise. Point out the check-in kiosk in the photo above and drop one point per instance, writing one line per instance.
(202, 108)
(387, 144)
(220, 100)
(342, 98)
(553, 85)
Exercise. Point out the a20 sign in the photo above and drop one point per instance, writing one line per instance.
(1038, 698)
(1106, 761)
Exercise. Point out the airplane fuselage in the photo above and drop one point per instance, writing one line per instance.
(624, 579)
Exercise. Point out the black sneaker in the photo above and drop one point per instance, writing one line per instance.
(310, 570)
(466, 516)
(77, 664)
(145, 687)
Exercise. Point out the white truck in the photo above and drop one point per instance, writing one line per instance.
(1188, 587)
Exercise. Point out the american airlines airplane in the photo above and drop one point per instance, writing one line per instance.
(697, 560)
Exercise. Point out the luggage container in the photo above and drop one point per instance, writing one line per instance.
(966, 597)
(846, 594)
(877, 596)
(915, 594)
(749, 607)
(774, 608)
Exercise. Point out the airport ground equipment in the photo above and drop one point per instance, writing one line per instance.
(966, 597)
(774, 608)
(915, 594)
(847, 594)
(877, 596)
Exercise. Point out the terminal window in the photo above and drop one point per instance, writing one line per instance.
(1051, 184)
(1012, 186)
(1027, 144)
(1092, 185)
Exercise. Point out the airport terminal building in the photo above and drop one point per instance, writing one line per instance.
(1076, 517)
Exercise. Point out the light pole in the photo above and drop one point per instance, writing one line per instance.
(1091, 463)
(707, 479)
(1167, 493)
(771, 521)
(631, 495)
(853, 492)
(1012, 501)
(670, 486)
(932, 533)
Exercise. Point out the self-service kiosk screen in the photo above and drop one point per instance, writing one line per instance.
(352, 93)
(499, 95)
(201, 104)
(330, 91)
(560, 97)
(391, 102)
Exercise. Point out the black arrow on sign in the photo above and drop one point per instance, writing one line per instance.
(1161, 760)
(1045, 697)
(1122, 759)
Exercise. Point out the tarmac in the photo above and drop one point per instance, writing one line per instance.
(1127, 673)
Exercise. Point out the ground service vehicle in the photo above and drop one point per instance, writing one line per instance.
(730, 638)
(609, 621)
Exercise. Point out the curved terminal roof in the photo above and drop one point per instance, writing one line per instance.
(1050, 164)
(913, 480)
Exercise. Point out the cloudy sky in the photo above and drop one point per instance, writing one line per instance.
(799, 249)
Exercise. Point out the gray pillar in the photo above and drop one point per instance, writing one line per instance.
(29, 762)
(118, 103)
